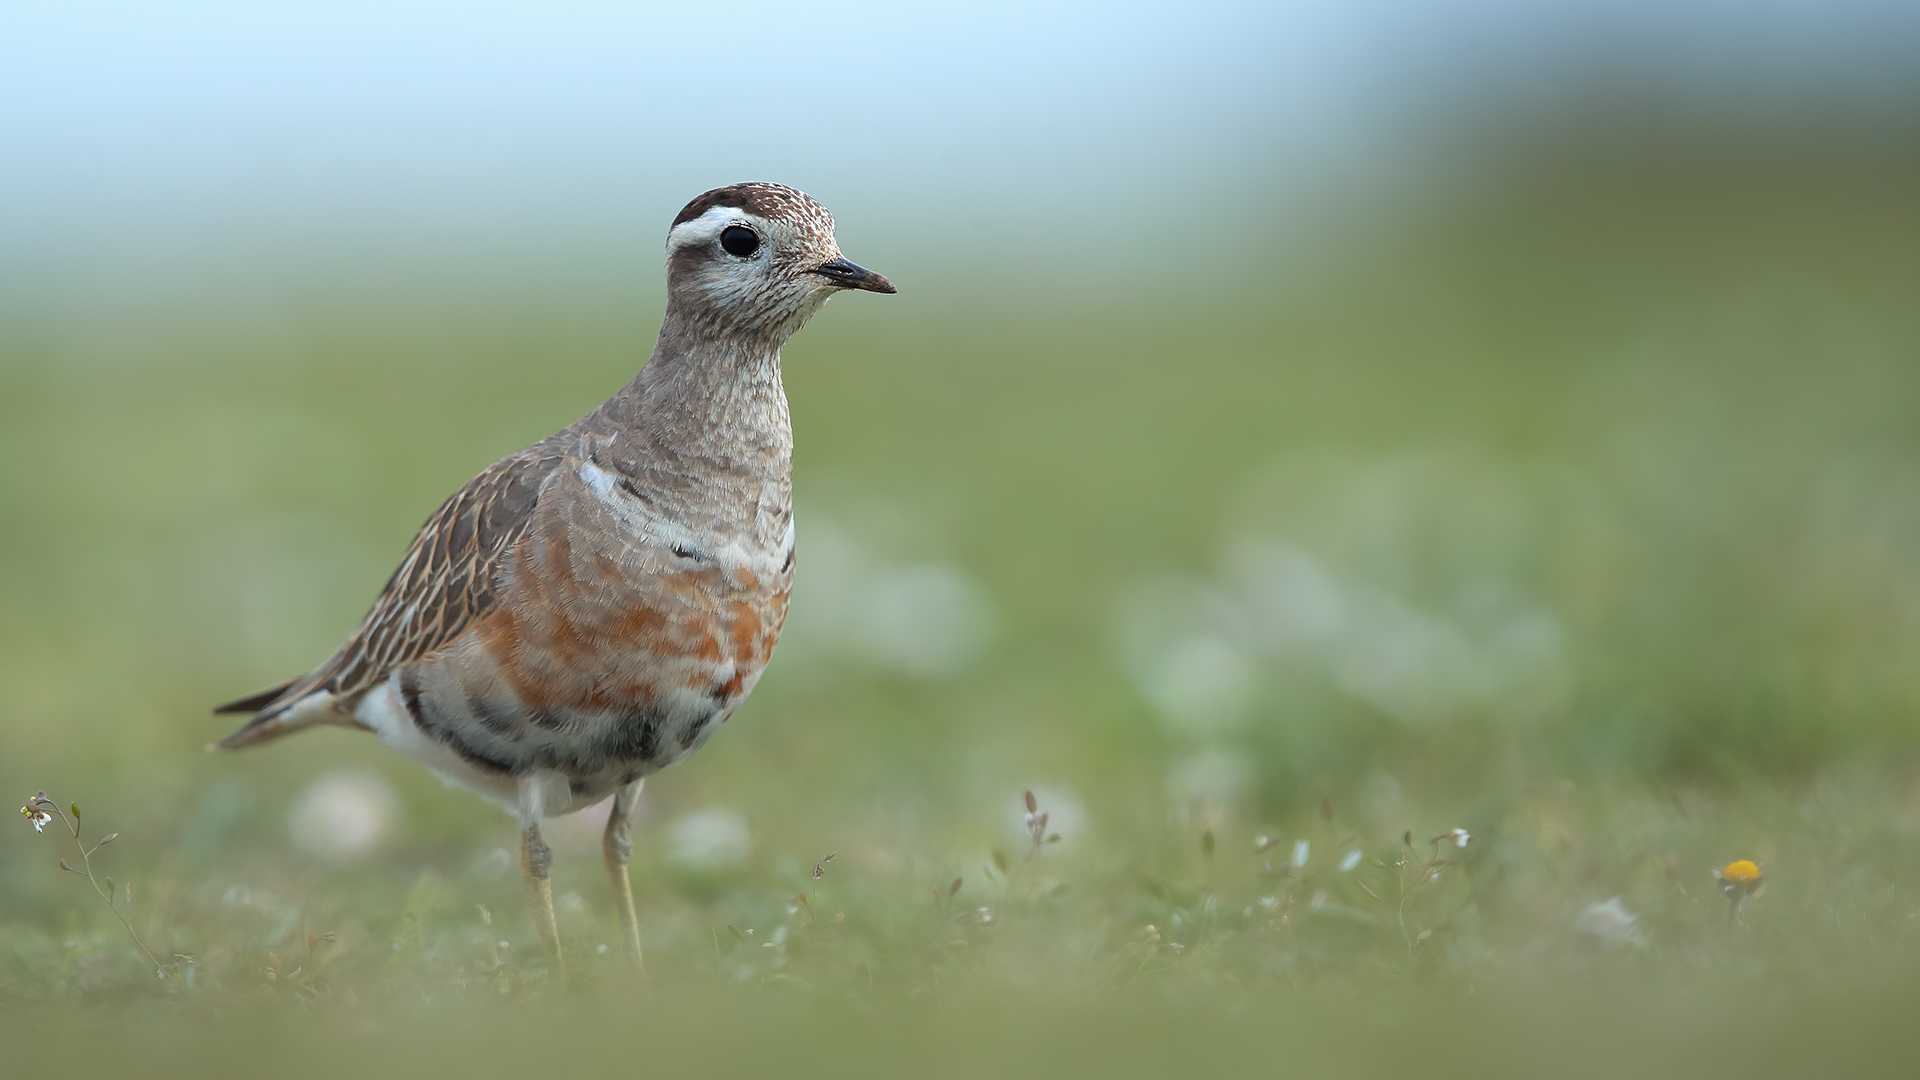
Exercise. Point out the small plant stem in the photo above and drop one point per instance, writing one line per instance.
(86, 860)
(1401, 916)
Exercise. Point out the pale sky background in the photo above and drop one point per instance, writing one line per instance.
(147, 146)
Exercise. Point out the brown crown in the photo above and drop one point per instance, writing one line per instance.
(759, 199)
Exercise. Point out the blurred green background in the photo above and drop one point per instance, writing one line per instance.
(1528, 449)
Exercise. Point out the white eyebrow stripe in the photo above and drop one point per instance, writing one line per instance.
(706, 226)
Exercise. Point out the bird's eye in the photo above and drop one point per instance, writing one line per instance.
(739, 240)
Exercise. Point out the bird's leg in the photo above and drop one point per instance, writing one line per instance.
(617, 847)
(536, 860)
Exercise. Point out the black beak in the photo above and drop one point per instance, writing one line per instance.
(853, 276)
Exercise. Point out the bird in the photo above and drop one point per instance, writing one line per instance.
(588, 610)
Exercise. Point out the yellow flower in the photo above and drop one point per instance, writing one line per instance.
(1740, 878)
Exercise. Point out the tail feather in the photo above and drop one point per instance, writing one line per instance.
(254, 732)
(253, 703)
(274, 718)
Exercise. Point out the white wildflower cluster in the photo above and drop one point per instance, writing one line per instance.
(1199, 649)
(1320, 593)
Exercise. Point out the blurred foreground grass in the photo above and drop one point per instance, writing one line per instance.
(1573, 501)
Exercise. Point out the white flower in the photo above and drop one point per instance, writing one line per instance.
(343, 816)
(929, 620)
(1300, 851)
(1057, 810)
(1458, 836)
(1610, 923)
(36, 816)
(1352, 860)
(711, 839)
(1202, 684)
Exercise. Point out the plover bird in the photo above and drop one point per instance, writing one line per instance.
(587, 611)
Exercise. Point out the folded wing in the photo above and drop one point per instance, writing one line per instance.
(444, 583)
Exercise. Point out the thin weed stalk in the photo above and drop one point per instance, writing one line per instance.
(40, 810)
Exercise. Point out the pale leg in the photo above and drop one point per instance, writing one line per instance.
(617, 847)
(536, 860)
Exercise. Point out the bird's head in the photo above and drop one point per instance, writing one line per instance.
(758, 259)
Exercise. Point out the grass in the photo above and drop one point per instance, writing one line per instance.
(1573, 506)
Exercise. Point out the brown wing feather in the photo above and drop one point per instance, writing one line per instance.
(254, 702)
(442, 585)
